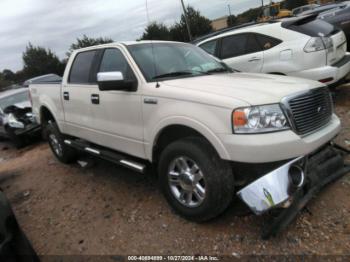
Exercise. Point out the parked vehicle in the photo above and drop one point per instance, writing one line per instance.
(14, 245)
(210, 133)
(274, 10)
(303, 47)
(304, 8)
(320, 9)
(339, 17)
(16, 118)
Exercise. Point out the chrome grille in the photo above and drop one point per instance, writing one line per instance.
(310, 111)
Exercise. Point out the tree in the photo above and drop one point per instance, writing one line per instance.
(86, 41)
(40, 61)
(199, 26)
(231, 20)
(291, 4)
(156, 31)
(8, 75)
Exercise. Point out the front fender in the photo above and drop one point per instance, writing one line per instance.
(190, 123)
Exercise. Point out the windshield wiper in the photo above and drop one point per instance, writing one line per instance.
(180, 73)
(173, 74)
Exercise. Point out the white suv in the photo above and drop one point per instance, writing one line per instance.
(302, 47)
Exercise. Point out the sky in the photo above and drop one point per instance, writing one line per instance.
(55, 24)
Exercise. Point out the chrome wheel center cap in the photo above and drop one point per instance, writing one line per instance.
(186, 181)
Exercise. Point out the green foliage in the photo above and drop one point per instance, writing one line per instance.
(199, 25)
(86, 41)
(156, 31)
(291, 4)
(249, 15)
(231, 20)
(40, 61)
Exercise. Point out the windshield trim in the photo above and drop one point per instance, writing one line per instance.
(148, 80)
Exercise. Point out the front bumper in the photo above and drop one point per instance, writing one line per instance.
(334, 73)
(280, 190)
(271, 147)
(30, 129)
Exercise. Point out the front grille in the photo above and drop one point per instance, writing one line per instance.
(310, 111)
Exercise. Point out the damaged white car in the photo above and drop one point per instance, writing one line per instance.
(16, 118)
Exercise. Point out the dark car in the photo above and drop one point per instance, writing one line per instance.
(16, 118)
(319, 10)
(14, 245)
(339, 17)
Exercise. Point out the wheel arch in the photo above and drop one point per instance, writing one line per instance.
(170, 132)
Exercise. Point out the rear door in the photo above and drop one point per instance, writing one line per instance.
(242, 52)
(76, 96)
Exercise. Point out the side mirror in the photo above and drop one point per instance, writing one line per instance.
(108, 81)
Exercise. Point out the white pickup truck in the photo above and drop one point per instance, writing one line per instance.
(210, 132)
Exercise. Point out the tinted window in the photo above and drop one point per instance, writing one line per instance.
(113, 60)
(238, 45)
(210, 47)
(267, 42)
(311, 27)
(81, 67)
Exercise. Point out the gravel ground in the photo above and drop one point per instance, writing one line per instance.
(105, 209)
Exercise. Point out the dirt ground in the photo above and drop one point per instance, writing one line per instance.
(106, 210)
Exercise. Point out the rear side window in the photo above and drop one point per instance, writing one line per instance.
(210, 47)
(311, 27)
(238, 45)
(267, 42)
(80, 71)
(113, 60)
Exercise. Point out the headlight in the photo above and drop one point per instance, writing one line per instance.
(13, 122)
(259, 119)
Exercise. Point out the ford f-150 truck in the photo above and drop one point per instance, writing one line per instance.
(211, 133)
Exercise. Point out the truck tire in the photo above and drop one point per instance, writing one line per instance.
(63, 153)
(194, 180)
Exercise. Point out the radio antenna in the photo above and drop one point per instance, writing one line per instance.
(152, 45)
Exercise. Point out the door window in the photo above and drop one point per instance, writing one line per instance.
(113, 60)
(267, 42)
(80, 72)
(238, 45)
(210, 47)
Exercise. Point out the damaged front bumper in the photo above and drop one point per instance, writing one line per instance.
(289, 187)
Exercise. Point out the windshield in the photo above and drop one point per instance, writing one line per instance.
(13, 99)
(173, 60)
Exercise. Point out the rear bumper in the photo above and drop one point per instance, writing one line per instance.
(332, 74)
(279, 190)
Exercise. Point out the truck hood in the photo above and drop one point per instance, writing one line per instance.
(253, 89)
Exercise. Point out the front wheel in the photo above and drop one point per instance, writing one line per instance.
(195, 181)
(63, 153)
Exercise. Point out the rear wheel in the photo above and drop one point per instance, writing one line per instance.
(194, 180)
(63, 153)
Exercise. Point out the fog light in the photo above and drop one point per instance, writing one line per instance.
(296, 176)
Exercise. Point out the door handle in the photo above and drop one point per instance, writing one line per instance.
(66, 95)
(254, 59)
(95, 99)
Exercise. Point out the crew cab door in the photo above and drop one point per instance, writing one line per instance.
(117, 115)
(242, 52)
(112, 119)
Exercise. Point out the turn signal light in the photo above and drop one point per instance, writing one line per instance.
(239, 118)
